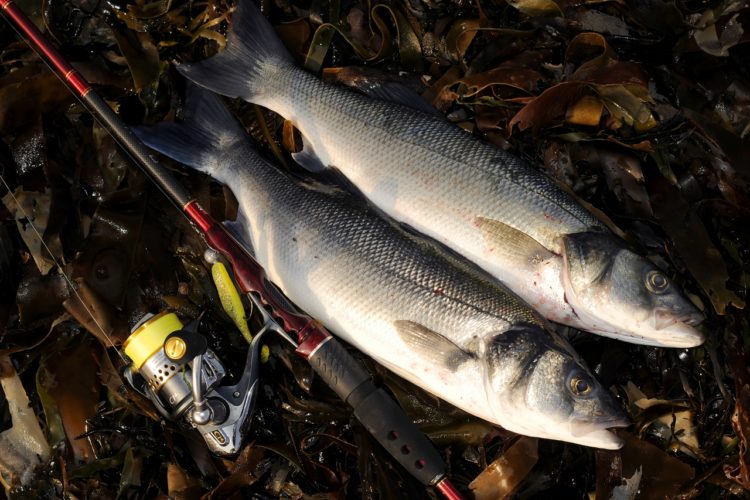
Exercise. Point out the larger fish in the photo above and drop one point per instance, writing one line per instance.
(422, 313)
(483, 202)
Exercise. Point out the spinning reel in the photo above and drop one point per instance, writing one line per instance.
(174, 368)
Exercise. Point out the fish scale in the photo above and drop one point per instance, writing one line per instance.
(424, 313)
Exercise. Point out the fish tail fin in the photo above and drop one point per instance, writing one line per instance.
(253, 54)
(206, 130)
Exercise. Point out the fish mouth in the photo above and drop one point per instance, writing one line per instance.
(603, 439)
(664, 318)
(598, 434)
(614, 420)
(665, 329)
(582, 432)
(678, 330)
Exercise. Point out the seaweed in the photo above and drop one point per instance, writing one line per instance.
(642, 109)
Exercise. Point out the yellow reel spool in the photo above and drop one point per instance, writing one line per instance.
(149, 337)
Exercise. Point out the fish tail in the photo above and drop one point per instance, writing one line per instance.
(206, 129)
(253, 54)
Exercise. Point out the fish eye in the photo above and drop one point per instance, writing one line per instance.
(656, 281)
(580, 386)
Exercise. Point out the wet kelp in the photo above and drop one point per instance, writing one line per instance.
(641, 109)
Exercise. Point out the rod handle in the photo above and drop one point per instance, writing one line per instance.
(377, 411)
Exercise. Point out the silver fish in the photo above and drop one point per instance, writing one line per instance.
(423, 313)
(483, 202)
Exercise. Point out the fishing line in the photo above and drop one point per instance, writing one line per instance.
(60, 268)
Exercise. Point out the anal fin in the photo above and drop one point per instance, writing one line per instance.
(238, 229)
(442, 349)
(308, 159)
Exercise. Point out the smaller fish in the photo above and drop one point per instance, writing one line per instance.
(427, 315)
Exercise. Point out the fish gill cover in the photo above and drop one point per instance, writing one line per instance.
(642, 109)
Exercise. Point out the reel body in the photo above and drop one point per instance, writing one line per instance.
(173, 367)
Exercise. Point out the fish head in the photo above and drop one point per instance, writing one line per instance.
(538, 386)
(618, 293)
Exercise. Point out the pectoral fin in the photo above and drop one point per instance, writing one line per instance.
(518, 247)
(442, 349)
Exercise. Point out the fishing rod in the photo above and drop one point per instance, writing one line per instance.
(161, 346)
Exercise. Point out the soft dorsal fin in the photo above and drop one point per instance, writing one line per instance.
(400, 94)
(441, 349)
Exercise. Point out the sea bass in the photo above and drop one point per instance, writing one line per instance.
(481, 201)
(421, 312)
